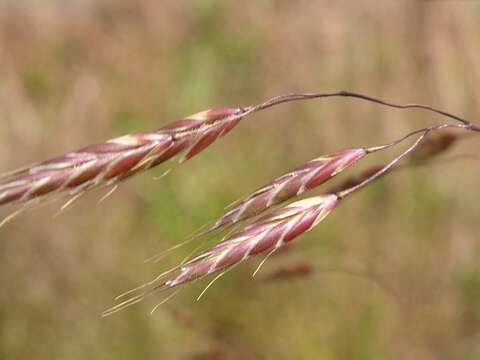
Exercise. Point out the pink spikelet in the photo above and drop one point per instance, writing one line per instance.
(434, 145)
(268, 233)
(289, 185)
(117, 159)
(292, 271)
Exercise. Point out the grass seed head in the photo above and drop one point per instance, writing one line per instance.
(289, 185)
(291, 271)
(434, 145)
(268, 233)
(117, 159)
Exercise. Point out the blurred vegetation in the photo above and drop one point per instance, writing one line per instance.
(80, 71)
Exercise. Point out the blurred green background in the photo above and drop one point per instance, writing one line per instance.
(403, 257)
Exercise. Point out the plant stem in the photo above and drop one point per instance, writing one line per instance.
(306, 96)
(424, 132)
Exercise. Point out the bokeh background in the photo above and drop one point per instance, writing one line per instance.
(396, 269)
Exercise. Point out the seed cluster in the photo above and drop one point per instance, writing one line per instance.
(289, 185)
(117, 159)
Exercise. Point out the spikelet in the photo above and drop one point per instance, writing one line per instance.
(287, 186)
(434, 145)
(268, 233)
(117, 159)
(291, 271)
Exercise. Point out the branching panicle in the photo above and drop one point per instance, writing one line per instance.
(110, 163)
(277, 228)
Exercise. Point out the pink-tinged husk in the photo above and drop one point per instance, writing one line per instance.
(270, 232)
(434, 145)
(291, 271)
(117, 159)
(289, 185)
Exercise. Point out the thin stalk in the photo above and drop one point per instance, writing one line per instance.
(385, 169)
(316, 95)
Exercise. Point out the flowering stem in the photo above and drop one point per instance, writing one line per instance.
(306, 96)
(424, 132)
